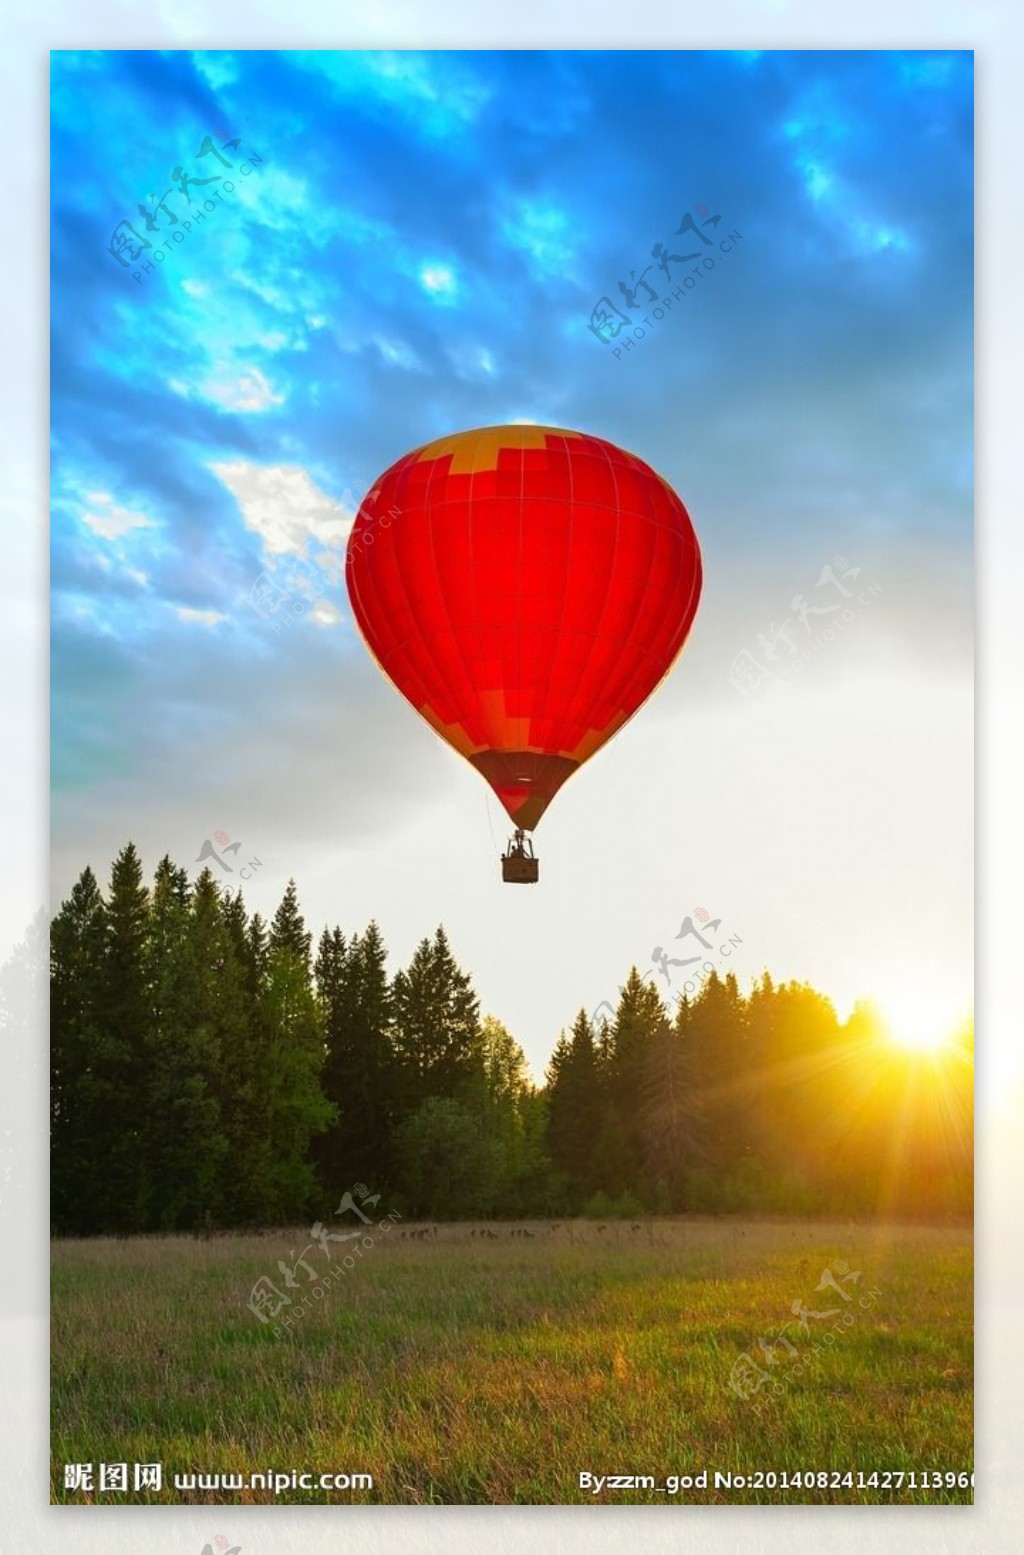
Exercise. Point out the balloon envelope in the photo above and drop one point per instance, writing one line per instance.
(525, 588)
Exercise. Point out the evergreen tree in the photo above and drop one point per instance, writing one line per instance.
(510, 1121)
(293, 1109)
(576, 1099)
(191, 1052)
(257, 951)
(236, 921)
(668, 1115)
(193, 978)
(246, 1060)
(288, 930)
(436, 1026)
(639, 1016)
(118, 1065)
(727, 1083)
(446, 1167)
(359, 1070)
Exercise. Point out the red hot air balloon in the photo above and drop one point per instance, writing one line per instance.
(526, 588)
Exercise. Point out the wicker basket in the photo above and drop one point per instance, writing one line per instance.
(520, 869)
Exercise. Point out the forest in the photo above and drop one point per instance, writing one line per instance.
(211, 1070)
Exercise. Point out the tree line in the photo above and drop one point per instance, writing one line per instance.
(213, 1070)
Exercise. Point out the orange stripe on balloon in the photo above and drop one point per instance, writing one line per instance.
(455, 734)
(504, 732)
(479, 449)
(595, 738)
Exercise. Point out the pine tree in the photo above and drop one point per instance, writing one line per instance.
(329, 973)
(190, 1052)
(292, 1106)
(236, 921)
(503, 1106)
(575, 1105)
(288, 931)
(445, 1162)
(246, 1194)
(669, 1115)
(359, 1070)
(725, 1079)
(193, 975)
(257, 950)
(118, 1068)
(436, 1026)
(639, 1016)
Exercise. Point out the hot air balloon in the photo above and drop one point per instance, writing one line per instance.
(526, 588)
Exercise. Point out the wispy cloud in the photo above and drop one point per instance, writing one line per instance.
(112, 522)
(250, 391)
(204, 617)
(282, 505)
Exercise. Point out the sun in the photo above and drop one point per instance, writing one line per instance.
(917, 1020)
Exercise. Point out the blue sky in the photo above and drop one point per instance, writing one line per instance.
(419, 251)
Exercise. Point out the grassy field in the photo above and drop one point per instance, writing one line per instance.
(471, 1364)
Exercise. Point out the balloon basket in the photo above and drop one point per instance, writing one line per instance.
(520, 870)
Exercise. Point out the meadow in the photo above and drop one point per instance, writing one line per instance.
(475, 1364)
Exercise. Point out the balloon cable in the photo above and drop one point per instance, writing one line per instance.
(490, 828)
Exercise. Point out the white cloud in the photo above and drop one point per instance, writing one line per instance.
(453, 93)
(397, 354)
(325, 614)
(251, 391)
(472, 361)
(542, 232)
(218, 69)
(281, 504)
(441, 94)
(207, 617)
(819, 131)
(818, 179)
(113, 521)
(438, 280)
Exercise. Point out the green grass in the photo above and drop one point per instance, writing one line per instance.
(458, 1369)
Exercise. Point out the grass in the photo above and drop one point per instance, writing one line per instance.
(464, 1367)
